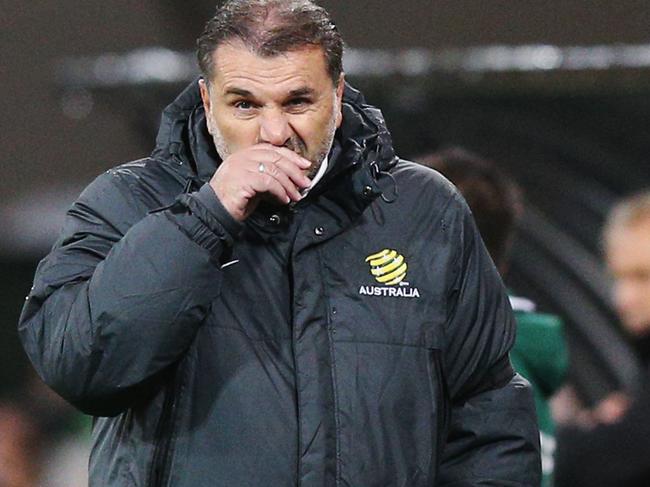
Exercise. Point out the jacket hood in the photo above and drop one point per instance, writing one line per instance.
(362, 138)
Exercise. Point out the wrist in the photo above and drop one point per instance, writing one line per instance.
(208, 198)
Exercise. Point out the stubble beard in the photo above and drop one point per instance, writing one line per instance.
(325, 145)
(220, 143)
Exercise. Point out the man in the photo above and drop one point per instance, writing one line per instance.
(299, 316)
(627, 253)
(614, 452)
(540, 353)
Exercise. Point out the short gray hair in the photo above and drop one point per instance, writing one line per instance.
(629, 212)
(272, 27)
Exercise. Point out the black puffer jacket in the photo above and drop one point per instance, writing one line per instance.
(282, 351)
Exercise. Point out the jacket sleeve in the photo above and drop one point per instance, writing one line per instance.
(122, 294)
(493, 439)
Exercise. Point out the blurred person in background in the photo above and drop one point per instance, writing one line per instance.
(43, 441)
(234, 310)
(20, 448)
(610, 447)
(540, 353)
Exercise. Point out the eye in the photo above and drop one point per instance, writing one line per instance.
(298, 105)
(298, 101)
(243, 105)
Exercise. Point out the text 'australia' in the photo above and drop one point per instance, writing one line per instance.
(391, 292)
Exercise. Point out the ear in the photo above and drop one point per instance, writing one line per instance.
(207, 104)
(340, 88)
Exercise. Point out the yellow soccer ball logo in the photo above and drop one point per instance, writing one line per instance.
(388, 267)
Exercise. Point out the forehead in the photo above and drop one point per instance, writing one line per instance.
(236, 66)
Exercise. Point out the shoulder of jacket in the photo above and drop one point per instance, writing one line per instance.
(131, 168)
(419, 175)
(429, 186)
(130, 189)
(135, 172)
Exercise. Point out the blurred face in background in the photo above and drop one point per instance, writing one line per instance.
(627, 249)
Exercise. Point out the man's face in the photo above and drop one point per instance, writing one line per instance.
(628, 258)
(287, 100)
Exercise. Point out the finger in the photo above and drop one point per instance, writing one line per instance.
(284, 152)
(265, 183)
(273, 159)
(291, 155)
(273, 170)
(294, 173)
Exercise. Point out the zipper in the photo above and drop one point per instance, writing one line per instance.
(297, 375)
(439, 393)
(164, 433)
(331, 331)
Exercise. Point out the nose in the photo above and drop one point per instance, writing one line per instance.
(274, 128)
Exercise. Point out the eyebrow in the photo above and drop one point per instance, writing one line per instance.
(304, 91)
(238, 92)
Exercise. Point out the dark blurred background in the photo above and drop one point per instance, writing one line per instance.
(556, 92)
